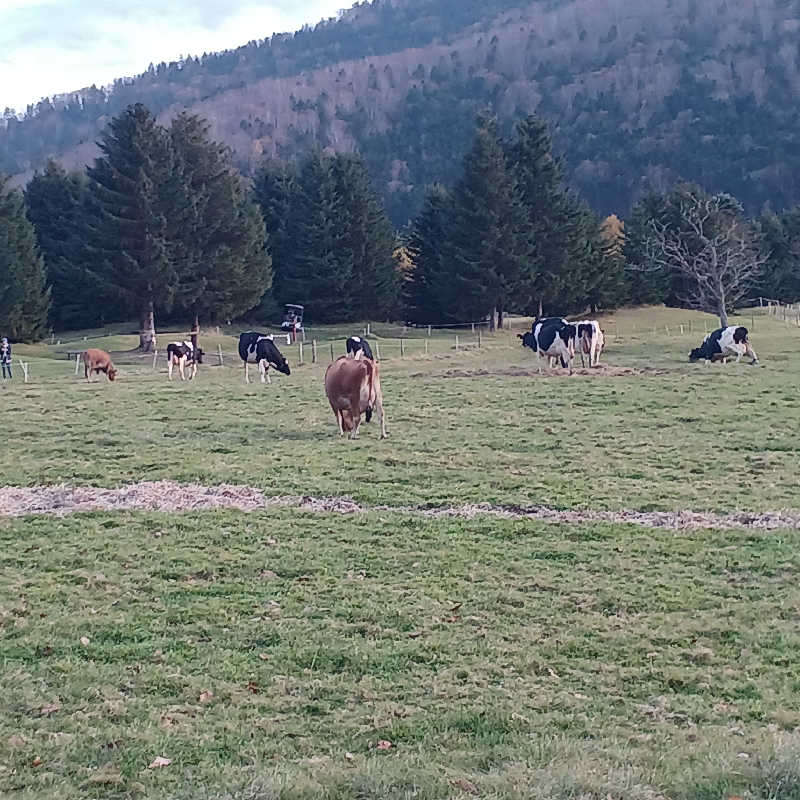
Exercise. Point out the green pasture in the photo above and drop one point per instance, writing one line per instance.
(284, 654)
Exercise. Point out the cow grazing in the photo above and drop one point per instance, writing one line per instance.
(182, 355)
(353, 388)
(555, 339)
(258, 348)
(358, 348)
(724, 343)
(529, 340)
(589, 340)
(97, 361)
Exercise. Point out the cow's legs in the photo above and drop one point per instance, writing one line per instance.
(182, 367)
(748, 351)
(379, 408)
(539, 360)
(246, 372)
(263, 368)
(194, 370)
(86, 372)
(169, 367)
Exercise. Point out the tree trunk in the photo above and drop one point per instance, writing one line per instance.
(540, 309)
(499, 319)
(147, 331)
(492, 319)
(723, 317)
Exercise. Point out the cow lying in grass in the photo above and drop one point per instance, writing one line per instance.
(353, 388)
(724, 343)
(95, 361)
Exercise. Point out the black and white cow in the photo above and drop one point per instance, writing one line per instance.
(555, 339)
(724, 343)
(359, 348)
(182, 355)
(258, 348)
(589, 340)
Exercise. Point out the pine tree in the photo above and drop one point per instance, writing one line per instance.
(57, 207)
(24, 295)
(313, 272)
(130, 247)
(425, 293)
(367, 240)
(488, 239)
(215, 233)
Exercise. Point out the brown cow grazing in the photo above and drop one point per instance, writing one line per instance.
(353, 388)
(97, 361)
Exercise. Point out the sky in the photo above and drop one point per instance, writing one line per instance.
(51, 47)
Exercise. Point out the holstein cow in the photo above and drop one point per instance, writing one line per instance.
(358, 348)
(555, 338)
(258, 348)
(182, 355)
(722, 344)
(97, 361)
(529, 340)
(353, 388)
(589, 340)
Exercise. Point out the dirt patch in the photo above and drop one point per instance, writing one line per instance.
(176, 497)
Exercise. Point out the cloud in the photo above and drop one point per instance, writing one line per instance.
(50, 47)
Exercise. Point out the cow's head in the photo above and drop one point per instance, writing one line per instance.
(281, 364)
(528, 340)
(695, 355)
(199, 355)
(112, 373)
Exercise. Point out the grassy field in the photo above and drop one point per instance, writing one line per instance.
(282, 654)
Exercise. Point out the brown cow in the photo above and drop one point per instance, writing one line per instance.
(353, 387)
(98, 361)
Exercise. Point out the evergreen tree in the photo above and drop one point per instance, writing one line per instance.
(57, 207)
(488, 240)
(215, 233)
(313, 273)
(24, 295)
(130, 247)
(367, 241)
(425, 294)
(781, 234)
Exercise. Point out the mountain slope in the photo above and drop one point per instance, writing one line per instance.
(639, 94)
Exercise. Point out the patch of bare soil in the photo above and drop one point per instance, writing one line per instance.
(174, 497)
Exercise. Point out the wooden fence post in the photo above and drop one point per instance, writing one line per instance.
(426, 346)
(681, 330)
(24, 366)
(429, 331)
(473, 327)
(331, 351)
(155, 356)
(456, 342)
(77, 362)
(219, 353)
(479, 337)
(378, 350)
(313, 351)
(300, 348)
(402, 349)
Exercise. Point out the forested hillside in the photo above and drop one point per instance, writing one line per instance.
(638, 94)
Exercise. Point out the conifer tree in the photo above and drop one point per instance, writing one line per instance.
(488, 242)
(215, 233)
(131, 251)
(312, 272)
(367, 241)
(24, 295)
(57, 207)
(425, 293)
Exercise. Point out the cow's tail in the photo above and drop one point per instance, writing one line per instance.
(370, 394)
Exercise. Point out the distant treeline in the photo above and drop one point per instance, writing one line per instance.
(162, 224)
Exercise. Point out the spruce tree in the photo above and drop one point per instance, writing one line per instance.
(425, 294)
(24, 295)
(130, 248)
(367, 241)
(488, 240)
(57, 207)
(313, 271)
(215, 233)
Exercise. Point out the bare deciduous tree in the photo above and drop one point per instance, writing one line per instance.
(713, 248)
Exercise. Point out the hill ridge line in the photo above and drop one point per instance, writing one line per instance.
(172, 496)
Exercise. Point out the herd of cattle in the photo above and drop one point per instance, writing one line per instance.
(352, 382)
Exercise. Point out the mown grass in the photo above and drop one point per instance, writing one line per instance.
(501, 659)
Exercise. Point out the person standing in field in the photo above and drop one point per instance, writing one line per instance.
(5, 357)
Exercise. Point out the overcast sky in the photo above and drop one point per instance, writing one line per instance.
(52, 46)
